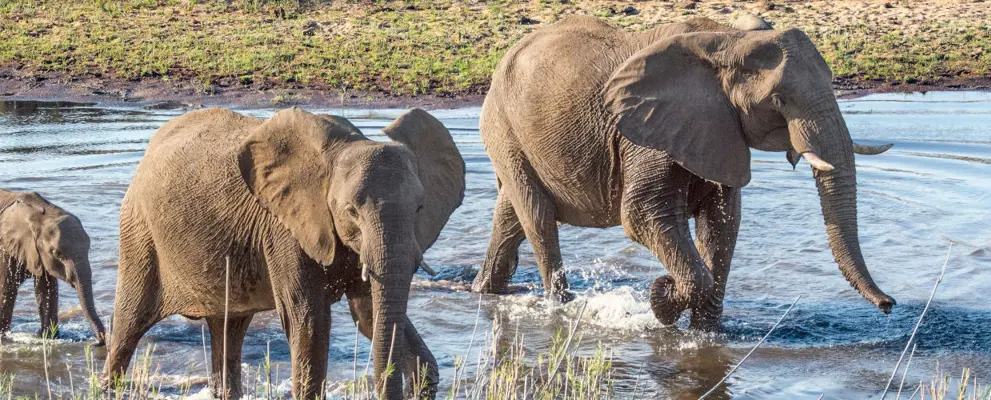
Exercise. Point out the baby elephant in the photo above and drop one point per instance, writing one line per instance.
(41, 240)
(306, 209)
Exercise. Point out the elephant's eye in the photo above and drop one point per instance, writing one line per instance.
(419, 208)
(777, 101)
(351, 211)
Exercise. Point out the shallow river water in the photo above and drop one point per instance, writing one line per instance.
(932, 188)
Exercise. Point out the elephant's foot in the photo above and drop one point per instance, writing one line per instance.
(663, 300)
(48, 333)
(480, 286)
(420, 390)
(706, 321)
(484, 283)
(109, 385)
(232, 393)
(563, 296)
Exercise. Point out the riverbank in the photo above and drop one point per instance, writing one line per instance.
(433, 54)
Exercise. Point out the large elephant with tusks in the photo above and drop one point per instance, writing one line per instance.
(591, 126)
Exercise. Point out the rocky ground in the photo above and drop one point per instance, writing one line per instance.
(426, 53)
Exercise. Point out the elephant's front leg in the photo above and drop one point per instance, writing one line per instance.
(235, 330)
(503, 254)
(689, 282)
(421, 372)
(46, 295)
(654, 213)
(420, 367)
(302, 300)
(10, 280)
(717, 224)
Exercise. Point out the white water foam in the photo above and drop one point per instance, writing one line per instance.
(621, 309)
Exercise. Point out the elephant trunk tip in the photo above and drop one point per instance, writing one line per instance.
(874, 295)
(884, 303)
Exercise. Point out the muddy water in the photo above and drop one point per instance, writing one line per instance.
(933, 187)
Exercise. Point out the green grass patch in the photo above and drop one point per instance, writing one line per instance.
(411, 47)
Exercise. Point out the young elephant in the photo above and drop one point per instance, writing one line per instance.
(591, 126)
(40, 240)
(308, 210)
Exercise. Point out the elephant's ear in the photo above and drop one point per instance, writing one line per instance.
(441, 168)
(669, 96)
(20, 223)
(285, 162)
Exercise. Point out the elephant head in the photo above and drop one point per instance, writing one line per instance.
(48, 241)
(706, 98)
(331, 187)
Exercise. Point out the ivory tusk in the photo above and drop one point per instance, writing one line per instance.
(817, 162)
(364, 272)
(427, 269)
(870, 150)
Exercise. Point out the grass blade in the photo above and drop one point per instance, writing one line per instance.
(917, 323)
(732, 370)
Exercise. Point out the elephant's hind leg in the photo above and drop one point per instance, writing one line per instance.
(137, 303)
(503, 254)
(537, 216)
(236, 329)
(716, 227)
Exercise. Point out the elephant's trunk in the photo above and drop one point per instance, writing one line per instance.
(827, 136)
(83, 284)
(391, 269)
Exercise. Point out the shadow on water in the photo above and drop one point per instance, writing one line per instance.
(825, 325)
(32, 112)
(45, 112)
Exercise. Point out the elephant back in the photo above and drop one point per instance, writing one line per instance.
(6, 199)
(220, 127)
(189, 169)
(192, 142)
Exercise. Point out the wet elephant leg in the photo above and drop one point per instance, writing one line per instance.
(654, 213)
(135, 311)
(236, 329)
(137, 302)
(537, 217)
(503, 254)
(10, 280)
(717, 225)
(362, 312)
(420, 367)
(46, 295)
(302, 300)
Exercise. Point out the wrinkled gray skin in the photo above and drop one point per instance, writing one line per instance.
(300, 203)
(43, 241)
(591, 126)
